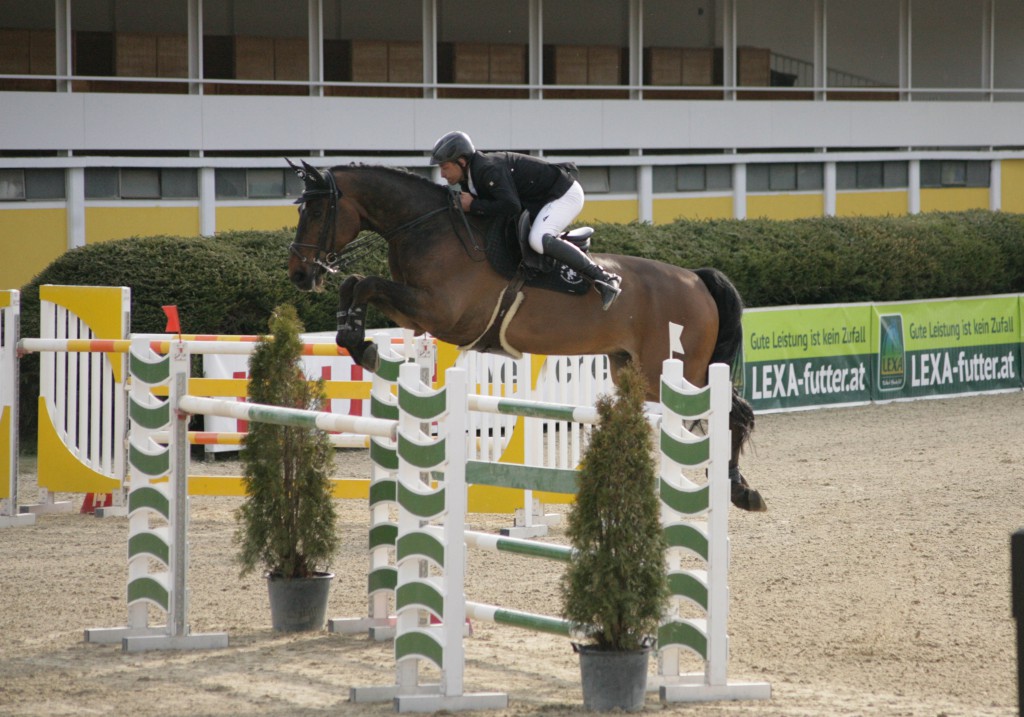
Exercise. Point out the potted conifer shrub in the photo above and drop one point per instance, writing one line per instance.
(615, 589)
(287, 523)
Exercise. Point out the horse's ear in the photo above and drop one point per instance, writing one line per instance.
(313, 176)
(297, 169)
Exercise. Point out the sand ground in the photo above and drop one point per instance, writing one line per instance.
(877, 584)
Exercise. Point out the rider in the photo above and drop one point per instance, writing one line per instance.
(504, 183)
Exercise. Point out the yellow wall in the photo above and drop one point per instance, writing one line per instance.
(106, 223)
(30, 239)
(256, 217)
(949, 199)
(610, 211)
(785, 206)
(1013, 185)
(871, 204)
(669, 210)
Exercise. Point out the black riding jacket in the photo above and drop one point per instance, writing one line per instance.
(507, 182)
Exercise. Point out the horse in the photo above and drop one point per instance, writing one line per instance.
(442, 283)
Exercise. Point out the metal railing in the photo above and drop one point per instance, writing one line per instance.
(849, 84)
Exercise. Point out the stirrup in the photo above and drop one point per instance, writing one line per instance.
(609, 290)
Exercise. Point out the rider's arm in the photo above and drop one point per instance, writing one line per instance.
(496, 192)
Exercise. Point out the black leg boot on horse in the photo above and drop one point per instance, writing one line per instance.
(351, 334)
(606, 283)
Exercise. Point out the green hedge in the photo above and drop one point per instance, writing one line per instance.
(229, 284)
(830, 260)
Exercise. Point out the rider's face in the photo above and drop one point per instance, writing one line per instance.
(452, 172)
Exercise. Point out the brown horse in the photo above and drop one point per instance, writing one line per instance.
(443, 284)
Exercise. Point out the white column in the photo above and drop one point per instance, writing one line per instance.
(729, 47)
(536, 49)
(207, 202)
(430, 48)
(62, 31)
(739, 191)
(830, 189)
(988, 47)
(906, 74)
(636, 47)
(195, 46)
(75, 207)
(645, 193)
(995, 186)
(820, 71)
(316, 48)
(914, 186)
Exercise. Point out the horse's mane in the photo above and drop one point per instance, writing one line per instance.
(399, 173)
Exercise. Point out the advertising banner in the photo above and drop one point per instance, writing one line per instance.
(806, 356)
(946, 346)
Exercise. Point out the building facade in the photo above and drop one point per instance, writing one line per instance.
(120, 118)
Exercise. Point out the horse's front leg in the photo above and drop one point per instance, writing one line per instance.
(351, 319)
(407, 306)
(351, 334)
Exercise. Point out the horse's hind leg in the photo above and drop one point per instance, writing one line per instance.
(741, 422)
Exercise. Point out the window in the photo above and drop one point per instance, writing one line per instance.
(782, 177)
(257, 184)
(595, 179)
(785, 177)
(608, 180)
(230, 183)
(871, 175)
(693, 178)
(179, 184)
(954, 173)
(140, 184)
(12, 184)
(102, 183)
(265, 183)
(29, 184)
(45, 184)
(622, 179)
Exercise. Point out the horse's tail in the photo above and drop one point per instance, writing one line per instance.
(730, 337)
(730, 314)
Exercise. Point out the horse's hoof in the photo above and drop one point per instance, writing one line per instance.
(370, 360)
(746, 498)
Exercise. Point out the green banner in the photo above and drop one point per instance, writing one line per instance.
(806, 356)
(799, 357)
(947, 346)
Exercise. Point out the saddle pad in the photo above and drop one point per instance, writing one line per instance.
(504, 254)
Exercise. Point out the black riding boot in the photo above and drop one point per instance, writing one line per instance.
(606, 283)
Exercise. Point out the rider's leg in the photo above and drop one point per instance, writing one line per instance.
(569, 254)
(551, 221)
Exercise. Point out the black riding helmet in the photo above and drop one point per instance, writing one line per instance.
(452, 146)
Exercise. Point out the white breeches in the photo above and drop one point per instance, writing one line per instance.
(556, 215)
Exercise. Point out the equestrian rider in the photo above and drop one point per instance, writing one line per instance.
(505, 183)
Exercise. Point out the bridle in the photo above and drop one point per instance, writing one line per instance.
(326, 259)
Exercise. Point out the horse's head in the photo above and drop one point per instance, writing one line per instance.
(326, 224)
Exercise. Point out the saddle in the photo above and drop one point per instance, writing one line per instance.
(508, 251)
(507, 247)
